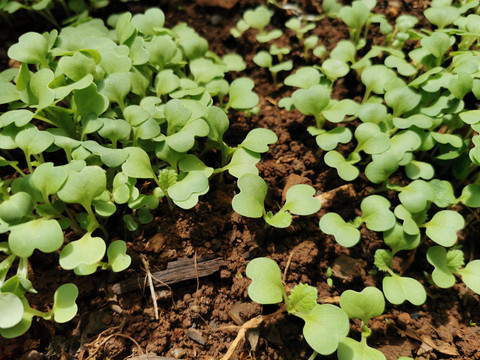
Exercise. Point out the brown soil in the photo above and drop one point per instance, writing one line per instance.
(192, 314)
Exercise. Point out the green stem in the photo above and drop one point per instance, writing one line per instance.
(18, 169)
(169, 200)
(44, 119)
(29, 163)
(88, 208)
(314, 355)
(320, 120)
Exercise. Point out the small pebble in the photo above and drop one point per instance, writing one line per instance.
(196, 336)
(403, 320)
(178, 353)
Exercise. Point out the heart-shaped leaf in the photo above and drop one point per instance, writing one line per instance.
(345, 170)
(243, 162)
(150, 22)
(443, 227)
(118, 260)
(266, 286)
(64, 306)
(304, 78)
(416, 196)
(311, 101)
(410, 226)
(442, 275)
(363, 305)
(87, 250)
(249, 202)
(398, 239)
(300, 200)
(185, 193)
(257, 140)
(83, 186)
(325, 326)
(398, 289)
(345, 234)
(281, 219)
(138, 164)
(43, 234)
(328, 140)
(49, 178)
(32, 48)
(33, 141)
(376, 213)
(18, 117)
(183, 140)
(470, 275)
(371, 139)
(350, 349)
(241, 95)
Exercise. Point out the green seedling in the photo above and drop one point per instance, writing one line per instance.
(299, 200)
(258, 19)
(299, 27)
(375, 214)
(264, 59)
(118, 105)
(398, 289)
(448, 263)
(325, 325)
(363, 305)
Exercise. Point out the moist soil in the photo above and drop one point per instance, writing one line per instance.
(198, 318)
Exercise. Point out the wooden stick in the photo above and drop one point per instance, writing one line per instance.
(176, 271)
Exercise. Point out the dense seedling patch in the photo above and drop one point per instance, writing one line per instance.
(416, 123)
(113, 106)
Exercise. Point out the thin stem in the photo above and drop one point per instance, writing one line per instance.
(313, 356)
(18, 169)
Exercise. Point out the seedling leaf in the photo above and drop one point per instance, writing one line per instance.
(302, 299)
(32, 48)
(241, 95)
(118, 260)
(11, 310)
(398, 289)
(43, 234)
(325, 326)
(137, 164)
(363, 305)
(266, 286)
(376, 213)
(443, 227)
(470, 275)
(345, 234)
(311, 101)
(349, 349)
(257, 140)
(249, 202)
(398, 239)
(300, 200)
(64, 306)
(442, 275)
(87, 251)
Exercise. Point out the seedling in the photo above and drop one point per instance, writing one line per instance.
(299, 200)
(325, 325)
(258, 19)
(264, 59)
(117, 105)
(363, 305)
(375, 214)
